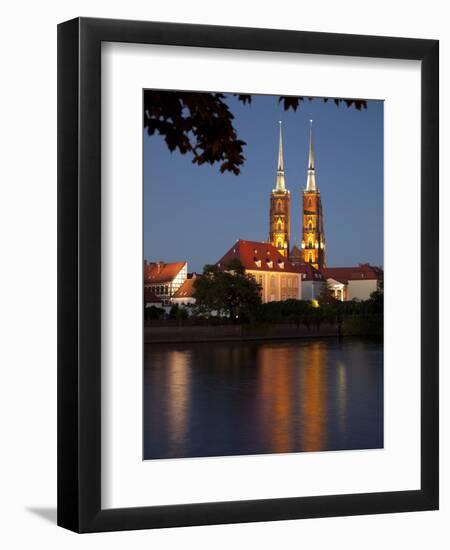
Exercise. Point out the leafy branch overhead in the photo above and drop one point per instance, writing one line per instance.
(201, 124)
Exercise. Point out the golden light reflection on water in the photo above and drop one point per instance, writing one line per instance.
(341, 395)
(290, 382)
(177, 386)
(313, 380)
(272, 398)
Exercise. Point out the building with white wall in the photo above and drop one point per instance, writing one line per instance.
(312, 281)
(164, 279)
(185, 295)
(354, 283)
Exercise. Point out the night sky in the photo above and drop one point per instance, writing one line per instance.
(195, 213)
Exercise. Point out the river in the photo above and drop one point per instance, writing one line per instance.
(241, 398)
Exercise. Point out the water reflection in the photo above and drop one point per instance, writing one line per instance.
(178, 390)
(260, 397)
(274, 398)
(341, 395)
(313, 396)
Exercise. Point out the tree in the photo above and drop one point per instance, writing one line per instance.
(153, 313)
(228, 291)
(288, 310)
(178, 313)
(326, 296)
(377, 301)
(201, 123)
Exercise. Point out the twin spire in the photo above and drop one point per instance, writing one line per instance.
(311, 179)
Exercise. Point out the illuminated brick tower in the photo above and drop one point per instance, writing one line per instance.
(279, 222)
(313, 238)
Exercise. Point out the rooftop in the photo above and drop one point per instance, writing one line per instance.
(161, 272)
(257, 256)
(310, 273)
(187, 289)
(346, 274)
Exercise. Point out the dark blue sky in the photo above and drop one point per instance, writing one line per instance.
(195, 213)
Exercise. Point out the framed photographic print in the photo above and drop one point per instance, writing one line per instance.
(248, 275)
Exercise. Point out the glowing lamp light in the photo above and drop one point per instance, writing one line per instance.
(316, 245)
(314, 303)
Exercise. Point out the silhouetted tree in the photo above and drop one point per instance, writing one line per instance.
(326, 297)
(201, 123)
(230, 291)
(153, 313)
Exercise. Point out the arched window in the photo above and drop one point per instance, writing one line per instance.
(280, 244)
(310, 244)
(279, 226)
(310, 226)
(309, 202)
(279, 206)
(310, 258)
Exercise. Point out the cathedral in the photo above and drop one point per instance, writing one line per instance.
(283, 272)
(312, 240)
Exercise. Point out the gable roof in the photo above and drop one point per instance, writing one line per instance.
(187, 289)
(160, 272)
(257, 256)
(360, 272)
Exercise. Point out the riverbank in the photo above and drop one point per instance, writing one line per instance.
(184, 333)
(227, 333)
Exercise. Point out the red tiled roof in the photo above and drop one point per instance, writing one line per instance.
(187, 289)
(256, 256)
(150, 297)
(310, 272)
(360, 272)
(160, 272)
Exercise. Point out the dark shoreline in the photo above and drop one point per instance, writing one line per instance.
(183, 334)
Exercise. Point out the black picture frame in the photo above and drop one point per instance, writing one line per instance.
(79, 274)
